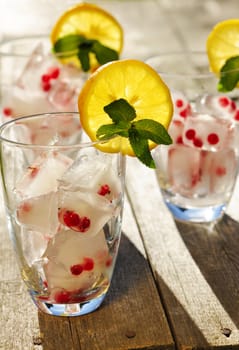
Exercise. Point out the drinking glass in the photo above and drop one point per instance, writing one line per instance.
(197, 173)
(64, 204)
(33, 80)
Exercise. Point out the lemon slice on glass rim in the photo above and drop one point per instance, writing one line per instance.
(133, 81)
(223, 43)
(91, 22)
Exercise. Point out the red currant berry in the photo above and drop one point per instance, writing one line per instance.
(213, 139)
(179, 140)
(54, 72)
(62, 297)
(179, 103)
(221, 171)
(236, 116)
(88, 264)
(7, 111)
(71, 219)
(190, 134)
(104, 189)
(223, 101)
(84, 224)
(45, 78)
(198, 142)
(76, 269)
(46, 86)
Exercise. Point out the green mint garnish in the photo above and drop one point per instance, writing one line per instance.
(229, 75)
(103, 53)
(78, 45)
(138, 132)
(68, 45)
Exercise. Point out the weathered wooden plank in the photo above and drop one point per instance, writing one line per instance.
(131, 316)
(215, 252)
(18, 317)
(197, 276)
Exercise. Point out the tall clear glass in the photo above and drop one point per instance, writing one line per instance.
(197, 173)
(33, 80)
(64, 204)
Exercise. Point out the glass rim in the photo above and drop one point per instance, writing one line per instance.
(19, 39)
(28, 39)
(196, 75)
(74, 145)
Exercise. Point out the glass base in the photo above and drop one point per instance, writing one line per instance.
(200, 215)
(76, 309)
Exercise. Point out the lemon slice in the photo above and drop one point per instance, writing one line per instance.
(132, 80)
(223, 43)
(92, 22)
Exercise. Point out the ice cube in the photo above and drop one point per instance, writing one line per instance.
(23, 102)
(160, 156)
(207, 132)
(20, 133)
(73, 76)
(93, 171)
(32, 70)
(43, 135)
(184, 169)
(56, 128)
(63, 96)
(75, 262)
(218, 105)
(176, 131)
(7, 106)
(182, 107)
(44, 75)
(34, 244)
(41, 177)
(70, 73)
(39, 214)
(37, 131)
(40, 72)
(85, 213)
(44, 85)
(223, 171)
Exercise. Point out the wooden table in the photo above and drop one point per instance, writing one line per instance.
(176, 285)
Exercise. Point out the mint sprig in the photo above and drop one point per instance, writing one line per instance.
(138, 132)
(77, 45)
(229, 75)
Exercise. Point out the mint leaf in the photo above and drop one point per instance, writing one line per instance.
(139, 132)
(152, 130)
(107, 131)
(229, 75)
(68, 44)
(120, 110)
(141, 148)
(84, 58)
(77, 45)
(104, 54)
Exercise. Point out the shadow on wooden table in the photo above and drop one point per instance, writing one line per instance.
(131, 316)
(216, 253)
(185, 331)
